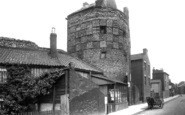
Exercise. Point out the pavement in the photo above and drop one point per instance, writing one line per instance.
(134, 109)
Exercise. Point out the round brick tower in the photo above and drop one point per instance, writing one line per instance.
(99, 34)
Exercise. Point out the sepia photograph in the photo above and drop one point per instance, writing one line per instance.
(92, 57)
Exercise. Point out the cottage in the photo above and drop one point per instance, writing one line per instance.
(82, 88)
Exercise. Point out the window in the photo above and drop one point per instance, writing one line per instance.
(145, 80)
(3, 75)
(117, 94)
(103, 30)
(103, 55)
(145, 66)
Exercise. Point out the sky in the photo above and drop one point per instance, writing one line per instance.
(157, 25)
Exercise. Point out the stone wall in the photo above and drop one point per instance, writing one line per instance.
(85, 96)
(79, 84)
(89, 103)
(94, 31)
(11, 42)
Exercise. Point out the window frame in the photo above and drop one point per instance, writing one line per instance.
(3, 75)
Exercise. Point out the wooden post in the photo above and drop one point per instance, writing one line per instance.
(66, 81)
(54, 99)
(65, 98)
(114, 97)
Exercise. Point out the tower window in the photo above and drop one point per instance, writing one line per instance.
(103, 55)
(103, 30)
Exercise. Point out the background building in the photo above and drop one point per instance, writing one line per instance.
(140, 72)
(164, 77)
(156, 88)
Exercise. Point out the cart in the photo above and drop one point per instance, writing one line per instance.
(155, 101)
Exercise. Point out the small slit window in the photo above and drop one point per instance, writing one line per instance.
(103, 55)
(103, 30)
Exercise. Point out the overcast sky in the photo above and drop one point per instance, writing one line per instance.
(157, 25)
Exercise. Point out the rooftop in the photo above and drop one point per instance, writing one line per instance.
(17, 52)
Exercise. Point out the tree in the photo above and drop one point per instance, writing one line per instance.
(22, 90)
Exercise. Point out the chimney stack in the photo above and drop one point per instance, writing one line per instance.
(145, 51)
(53, 43)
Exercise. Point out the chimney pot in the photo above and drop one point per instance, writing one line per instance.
(53, 43)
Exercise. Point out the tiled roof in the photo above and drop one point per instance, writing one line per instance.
(26, 56)
(65, 59)
(137, 56)
(40, 57)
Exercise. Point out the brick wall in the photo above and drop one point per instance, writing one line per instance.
(140, 78)
(96, 30)
(89, 103)
(79, 84)
(137, 76)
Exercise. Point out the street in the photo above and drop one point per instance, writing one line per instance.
(174, 107)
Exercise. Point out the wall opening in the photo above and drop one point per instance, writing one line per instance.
(103, 55)
(103, 30)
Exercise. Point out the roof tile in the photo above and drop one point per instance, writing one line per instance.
(41, 57)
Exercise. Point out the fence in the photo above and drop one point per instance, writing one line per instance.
(41, 113)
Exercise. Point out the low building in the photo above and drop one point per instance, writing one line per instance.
(88, 90)
(164, 77)
(156, 88)
(140, 74)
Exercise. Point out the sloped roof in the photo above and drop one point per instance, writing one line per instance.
(9, 55)
(65, 59)
(26, 56)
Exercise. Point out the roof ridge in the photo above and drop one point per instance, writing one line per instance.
(18, 48)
